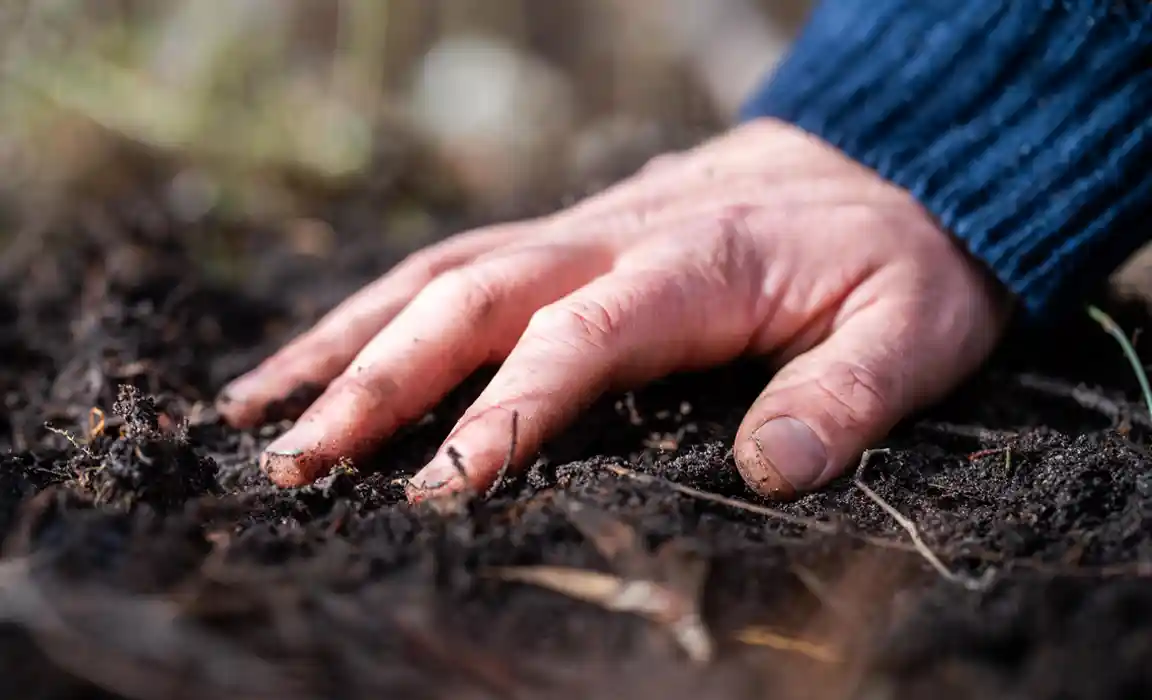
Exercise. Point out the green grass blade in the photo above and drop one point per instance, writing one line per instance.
(1113, 329)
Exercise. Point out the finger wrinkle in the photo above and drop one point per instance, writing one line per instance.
(361, 394)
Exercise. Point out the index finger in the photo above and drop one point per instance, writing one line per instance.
(622, 329)
(322, 353)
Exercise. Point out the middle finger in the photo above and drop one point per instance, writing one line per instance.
(462, 320)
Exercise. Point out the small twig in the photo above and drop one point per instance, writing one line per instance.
(457, 460)
(1087, 398)
(503, 473)
(820, 526)
(917, 540)
(914, 532)
(1113, 329)
(762, 637)
(811, 523)
(974, 432)
(866, 458)
(1141, 569)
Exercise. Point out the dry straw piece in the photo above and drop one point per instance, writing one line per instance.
(664, 586)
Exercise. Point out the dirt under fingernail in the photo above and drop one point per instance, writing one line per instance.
(288, 468)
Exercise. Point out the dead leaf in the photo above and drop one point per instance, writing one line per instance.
(96, 423)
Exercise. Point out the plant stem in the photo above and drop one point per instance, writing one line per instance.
(1113, 329)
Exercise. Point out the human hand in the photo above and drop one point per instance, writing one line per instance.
(764, 241)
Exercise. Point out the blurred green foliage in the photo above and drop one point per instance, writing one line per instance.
(238, 97)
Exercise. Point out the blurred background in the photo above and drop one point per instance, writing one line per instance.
(317, 121)
(267, 111)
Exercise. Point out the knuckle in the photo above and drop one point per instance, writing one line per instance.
(426, 262)
(857, 397)
(729, 241)
(860, 217)
(435, 259)
(466, 289)
(725, 259)
(313, 356)
(579, 322)
(297, 359)
(662, 162)
(621, 221)
(364, 392)
(732, 221)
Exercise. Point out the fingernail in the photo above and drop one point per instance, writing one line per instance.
(240, 387)
(790, 448)
(233, 404)
(300, 437)
(284, 468)
(286, 460)
(234, 389)
(434, 476)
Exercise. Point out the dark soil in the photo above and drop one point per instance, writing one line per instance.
(147, 557)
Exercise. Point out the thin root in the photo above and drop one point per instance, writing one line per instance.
(69, 437)
(1090, 399)
(922, 548)
(821, 526)
(1141, 570)
(974, 432)
(811, 523)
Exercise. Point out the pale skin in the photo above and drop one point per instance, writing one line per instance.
(764, 241)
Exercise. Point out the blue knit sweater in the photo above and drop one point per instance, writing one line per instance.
(1023, 126)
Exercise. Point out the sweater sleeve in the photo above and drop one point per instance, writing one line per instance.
(1023, 126)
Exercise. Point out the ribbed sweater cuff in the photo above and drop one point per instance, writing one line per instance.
(1023, 126)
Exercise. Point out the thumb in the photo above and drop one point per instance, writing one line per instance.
(828, 405)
